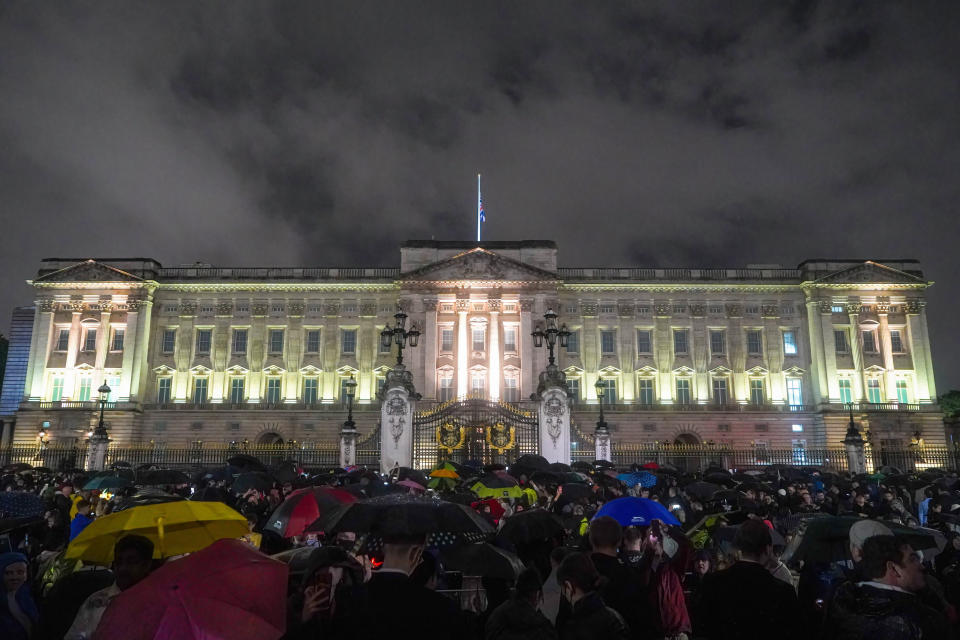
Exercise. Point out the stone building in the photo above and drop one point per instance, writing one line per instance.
(759, 356)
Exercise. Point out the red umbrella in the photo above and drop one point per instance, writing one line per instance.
(652, 466)
(303, 507)
(228, 590)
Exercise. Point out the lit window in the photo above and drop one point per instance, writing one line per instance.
(446, 339)
(846, 391)
(203, 341)
(56, 389)
(797, 428)
(717, 343)
(478, 384)
(276, 341)
(902, 395)
(511, 392)
(608, 342)
(794, 392)
(757, 392)
(510, 339)
(445, 393)
(789, 343)
(720, 390)
(643, 341)
(680, 341)
(237, 390)
(310, 388)
(199, 390)
(873, 391)
(273, 390)
(239, 341)
(573, 386)
(837, 308)
(683, 391)
(83, 394)
(114, 383)
(479, 338)
(348, 341)
(63, 339)
(163, 390)
(646, 391)
(609, 390)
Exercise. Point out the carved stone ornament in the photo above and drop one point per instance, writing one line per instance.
(397, 416)
(76, 305)
(734, 311)
(399, 377)
(554, 409)
(626, 309)
(463, 304)
(698, 310)
(188, 309)
(224, 308)
(331, 309)
(588, 308)
(47, 305)
(825, 306)
(430, 304)
(552, 378)
(770, 311)
(854, 308)
(135, 304)
(259, 309)
(882, 307)
(914, 307)
(476, 266)
(495, 304)
(662, 309)
(368, 308)
(526, 304)
(295, 309)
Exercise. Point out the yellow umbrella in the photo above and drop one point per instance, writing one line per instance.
(444, 473)
(174, 527)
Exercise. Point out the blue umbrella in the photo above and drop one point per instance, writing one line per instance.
(642, 478)
(636, 512)
(20, 504)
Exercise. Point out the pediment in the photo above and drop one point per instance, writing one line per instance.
(647, 371)
(869, 271)
(683, 371)
(237, 369)
(89, 271)
(201, 370)
(274, 370)
(479, 264)
(794, 371)
(757, 371)
(311, 370)
(720, 371)
(609, 371)
(164, 369)
(874, 369)
(573, 371)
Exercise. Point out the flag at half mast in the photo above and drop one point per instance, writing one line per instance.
(481, 216)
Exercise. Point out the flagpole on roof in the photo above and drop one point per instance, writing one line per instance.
(479, 209)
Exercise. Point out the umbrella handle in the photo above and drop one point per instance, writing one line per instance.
(160, 533)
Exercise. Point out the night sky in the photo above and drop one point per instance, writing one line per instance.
(319, 133)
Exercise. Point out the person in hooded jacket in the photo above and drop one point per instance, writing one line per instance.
(330, 598)
(590, 618)
(518, 618)
(18, 611)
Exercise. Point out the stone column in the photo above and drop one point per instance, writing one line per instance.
(97, 447)
(853, 311)
(889, 374)
(429, 343)
(396, 420)
(831, 392)
(919, 351)
(139, 377)
(554, 416)
(493, 349)
(854, 445)
(39, 349)
(817, 364)
(773, 351)
(348, 444)
(527, 369)
(663, 351)
(463, 348)
(129, 346)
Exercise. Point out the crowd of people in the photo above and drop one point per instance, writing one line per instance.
(764, 552)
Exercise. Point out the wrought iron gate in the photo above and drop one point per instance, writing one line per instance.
(474, 429)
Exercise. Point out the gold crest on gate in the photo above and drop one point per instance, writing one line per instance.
(451, 436)
(501, 437)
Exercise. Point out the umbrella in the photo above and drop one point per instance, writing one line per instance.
(162, 476)
(12, 524)
(650, 466)
(445, 470)
(211, 494)
(286, 472)
(252, 480)
(496, 509)
(175, 528)
(547, 477)
(826, 539)
(406, 473)
(411, 484)
(642, 478)
(405, 514)
(726, 534)
(17, 467)
(576, 477)
(720, 477)
(636, 512)
(106, 482)
(728, 495)
(482, 560)
(531, 525)
(21, 504)
(303, 507)
(560, 467)
(148, 495)
(497, 486)
(604, 464)
(581, 465)
(227, 590)
(245, 461)
(574, 492)
(701, 490)
(533, 461)
(442, 484)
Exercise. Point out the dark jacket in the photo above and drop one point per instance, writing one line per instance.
(10, 627)
(626, 592)
(395, 605)
(745, 602)
(593, 620)
(881, 614)
(517, 619)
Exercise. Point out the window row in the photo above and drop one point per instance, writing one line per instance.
(478, 338)
(646, 391)
(276, 339)
(88, 339)
(874, 391)
(682, 345)
(868, 341)
(236, 392)
(85, 389)
(446, 388)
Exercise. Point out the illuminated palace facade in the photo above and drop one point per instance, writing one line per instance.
(761, 355)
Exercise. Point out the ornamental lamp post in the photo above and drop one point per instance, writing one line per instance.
(601, 391)
(101, 431)
(854, 444)
(400, 335)
(550, 333)
(350, 389)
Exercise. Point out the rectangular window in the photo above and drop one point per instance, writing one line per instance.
(643, 341)
(646, 391)
(169, 340)
(755, 342)
(573, 386)
(680, 341)
(510, 339)
(276, 341)
(310, 387)
(796, 428)
(789, 343)
(902, 396)
(896, 342)
(446, 388)
(199, 390)
(479, 338)
(758, 395)
(237, 390)
(610, 391)
(239, 346)
(608, 342)
(63, 339)
(607, 307)
(90, 340)
(718, 343)
(873, 391)
(511, 392)
(869, 342)
(163, 390)
(836, 308)
(203, 341)
(56, 389)
(683, 391)
(381, 385)
(846, 390)
(83, 394)
(313, 341)
(478, 384)
(840, 340)
(716, 309)
(794, 392)
(114, 383)
(446, 339)
(116, 344)
(348, 341)
(573, 343)
(720, 391)
(273, 390)
(343, 390)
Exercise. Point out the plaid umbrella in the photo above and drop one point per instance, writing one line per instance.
(20, 504)
(642, 478)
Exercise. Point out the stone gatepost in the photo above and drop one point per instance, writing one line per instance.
(97, 447)
(855, 447)
(396, 420)
(348, 445)
(554, 415)
(602, 445)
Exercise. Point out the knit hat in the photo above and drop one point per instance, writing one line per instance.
(12, 557)
(863, 529)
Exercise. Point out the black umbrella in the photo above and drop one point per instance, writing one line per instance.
(827, 540)
(604, 464)
(573, 492)
(286, 472)
(728, 495)
(406, 473)
(482, 560)
(726, 534)
(582, 466)
(531, 525)
(121, 464)
(946, 482)
(718, 477)
(146, 496)
(405, 514)
(162, 476)
(533, 461)
(17, 467)
(577, 477)
(246, 462)
(560, 467)
(490, 468)
(547, 477)
(701, 490)
(212, 494)
(252, 480)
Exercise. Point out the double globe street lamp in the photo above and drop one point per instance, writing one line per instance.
(550, 334)
(400, 335)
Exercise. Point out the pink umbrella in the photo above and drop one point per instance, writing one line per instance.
(228, 590)
(410, 484)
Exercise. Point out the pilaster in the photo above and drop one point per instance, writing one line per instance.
(889, 374)
(817, 362)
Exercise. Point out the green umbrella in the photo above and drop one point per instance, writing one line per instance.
(826, 539)
(106, 483)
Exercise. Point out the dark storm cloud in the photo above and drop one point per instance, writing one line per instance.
(670, 133)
